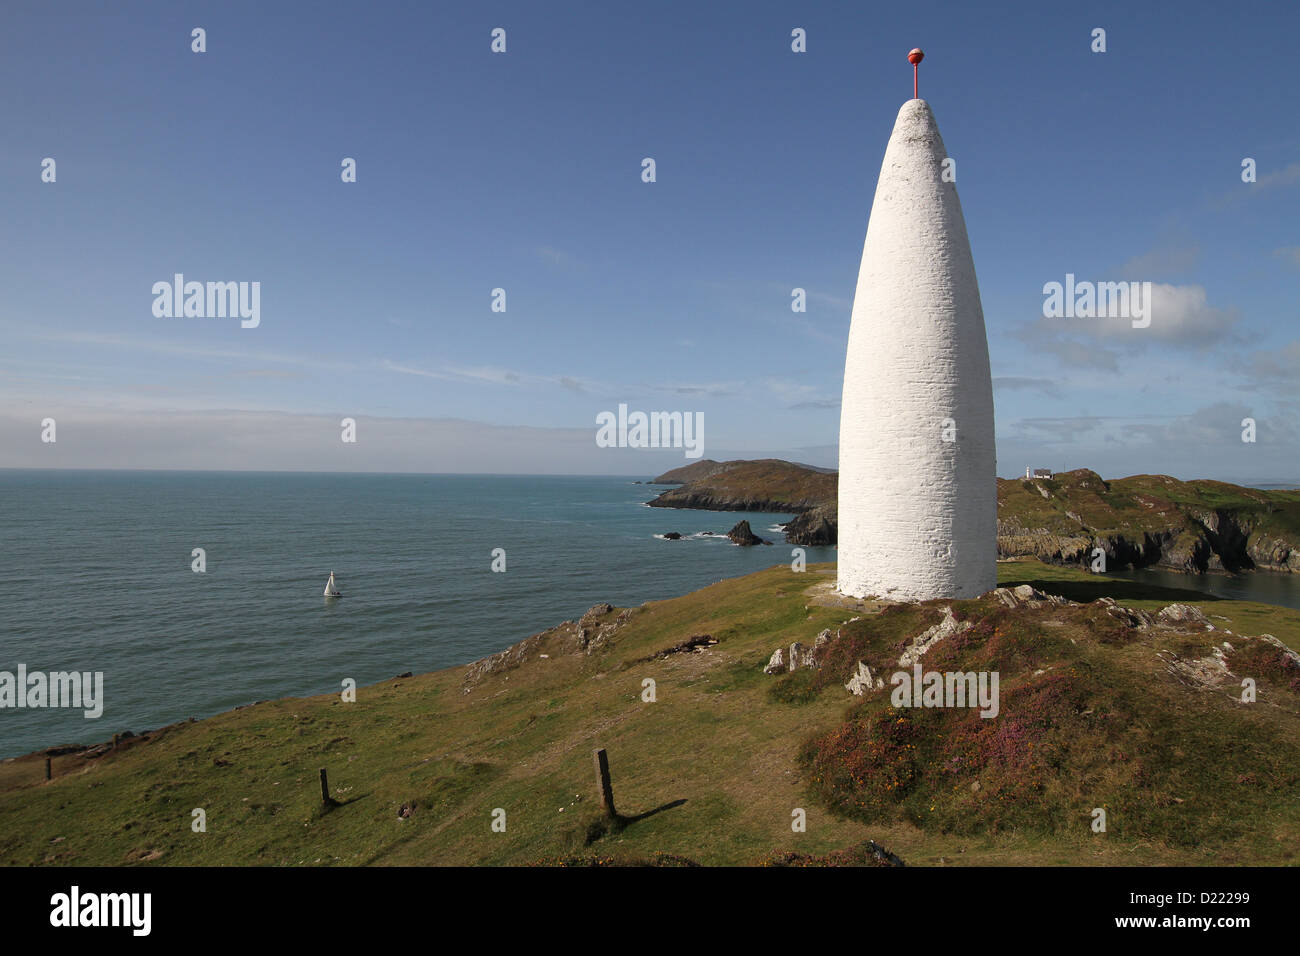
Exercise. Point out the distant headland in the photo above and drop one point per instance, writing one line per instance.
(1140, 521)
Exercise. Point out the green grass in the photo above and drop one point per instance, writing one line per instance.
(715, 761)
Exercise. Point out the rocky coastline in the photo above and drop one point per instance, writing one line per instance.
(1144, 521)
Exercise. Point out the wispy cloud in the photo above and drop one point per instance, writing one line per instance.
(1277, 179)
(798, 395)
(1011, 383)
(1274, 371)
(1286, 176)
(188, 350)
(711, 389)
(1155, 435)
(1162, 262)
(1048, 339)
(1062, 430)
(558, 257)
(489, 375)
(494, 376)
(834, 301)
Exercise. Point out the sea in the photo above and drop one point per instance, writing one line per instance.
(97, 575)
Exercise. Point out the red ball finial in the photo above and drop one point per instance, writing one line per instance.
(915, 58)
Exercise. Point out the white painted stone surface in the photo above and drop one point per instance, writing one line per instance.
(917, 515)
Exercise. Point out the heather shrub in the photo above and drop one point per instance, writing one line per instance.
(1267, 663)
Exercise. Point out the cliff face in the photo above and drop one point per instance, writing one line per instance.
(1142, 521)
(1149, 521)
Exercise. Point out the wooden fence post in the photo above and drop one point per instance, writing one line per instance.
(602, 782)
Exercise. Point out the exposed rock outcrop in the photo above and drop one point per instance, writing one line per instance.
(1137, 619)
(590, 633)
(862, 681)
(1208, 673)
(596, 627)
(1025, 594)
(1185, 614)
(932, 636)
(815, 528)
(744, 536)
(1287, 653)
(785, 660)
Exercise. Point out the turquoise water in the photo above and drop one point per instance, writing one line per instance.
(95, 576)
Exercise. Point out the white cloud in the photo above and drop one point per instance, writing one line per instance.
(1011, 383)
(1180, 317)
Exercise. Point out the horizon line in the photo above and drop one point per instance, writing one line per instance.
(1261, 485)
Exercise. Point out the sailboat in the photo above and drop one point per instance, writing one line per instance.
(331, 589)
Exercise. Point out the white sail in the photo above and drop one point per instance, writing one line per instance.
(331, 590)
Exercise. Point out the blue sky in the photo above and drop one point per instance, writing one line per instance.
(522, 171)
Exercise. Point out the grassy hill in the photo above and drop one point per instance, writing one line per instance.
(708, 467)
(765, 485)
(1095, 712)
(691, 472)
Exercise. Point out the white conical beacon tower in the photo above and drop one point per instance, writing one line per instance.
(917, 483)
